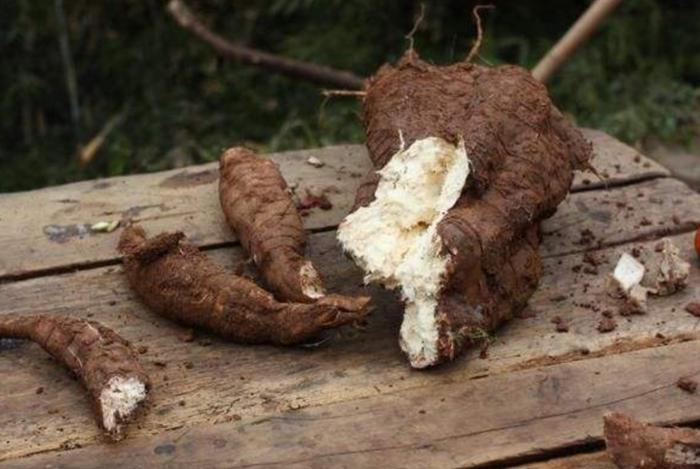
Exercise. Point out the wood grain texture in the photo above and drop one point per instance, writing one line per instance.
(209, 381)
(594, 219)
(442, 425)
(46, 229)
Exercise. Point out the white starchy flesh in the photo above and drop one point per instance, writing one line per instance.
(311, 281)
(628, 272)
(119, 399)
(394, 239)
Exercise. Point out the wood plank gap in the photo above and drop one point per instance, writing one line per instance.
(593, 445)
(614, 184)
(555, 457)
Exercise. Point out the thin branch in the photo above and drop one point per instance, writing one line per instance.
(87, 152)
(68, 67)
(412, 32)
(357, 94)
(479, 32)
(574, 37)
(319, 74)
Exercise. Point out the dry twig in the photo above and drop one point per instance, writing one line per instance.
(314, 73)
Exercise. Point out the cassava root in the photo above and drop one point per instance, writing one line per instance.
(105, 363)
(259, 208)
(176, 280)
(633, 445)
(480, 251)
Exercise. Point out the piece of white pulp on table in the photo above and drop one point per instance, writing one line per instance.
(628, 272)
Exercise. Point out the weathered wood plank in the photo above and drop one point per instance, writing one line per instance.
(599, 460)
(608, 217)
(46, 229)
(617, 163)
(443, 425)
(228, 381)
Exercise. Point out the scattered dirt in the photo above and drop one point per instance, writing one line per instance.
(312, 200)
(561, 324)
(587, 237)
(606, 324)
(693, 308)
(186, 336)
(687, 384)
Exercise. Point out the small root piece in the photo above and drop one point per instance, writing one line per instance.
(632, 444)
(416, 24)
(479, 32)
(331, 93)
(176, 280)
(104, 362)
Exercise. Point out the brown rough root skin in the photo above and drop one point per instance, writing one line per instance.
(632, 444)
(177, 281)
(523, 153)
(259, 208)
(92, 351)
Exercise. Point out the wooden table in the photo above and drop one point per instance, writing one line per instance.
(537, 399)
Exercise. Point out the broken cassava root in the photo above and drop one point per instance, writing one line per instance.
(104, 362)
(177, 281)
(259, 208)
(636, 445)
(468, 160)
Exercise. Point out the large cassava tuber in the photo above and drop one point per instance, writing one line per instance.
(259, 208)
(633, 445)
(468, 160)
(103, 361)
(176, 280)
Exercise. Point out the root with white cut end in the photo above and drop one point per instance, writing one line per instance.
(105, 363)
(466, 267)
(120, 399)
(258, 206)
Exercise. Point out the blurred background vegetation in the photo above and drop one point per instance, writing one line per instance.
(171, 101)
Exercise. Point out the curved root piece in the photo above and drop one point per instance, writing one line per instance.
(177, 281)
(462, 249)
(259, 208)
(632, 444)
(105, 363)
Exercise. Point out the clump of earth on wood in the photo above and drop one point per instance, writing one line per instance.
(687, 384)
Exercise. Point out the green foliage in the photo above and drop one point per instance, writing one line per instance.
(181, 104)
